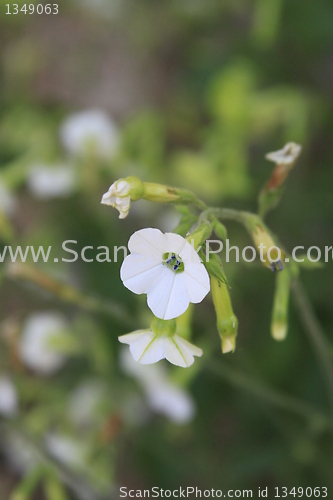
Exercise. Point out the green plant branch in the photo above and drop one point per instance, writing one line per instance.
(316, 335)
(224, 213)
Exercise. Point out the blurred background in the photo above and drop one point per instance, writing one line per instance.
(189, 93)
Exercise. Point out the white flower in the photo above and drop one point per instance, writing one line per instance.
(38, 331)
(51, 182)
(148, 347)
(118, 196)
(285, 156)
(163, 396)
(168, 269)
(90, 130)
(8, 397)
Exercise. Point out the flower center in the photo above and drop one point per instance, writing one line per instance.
(173, 262)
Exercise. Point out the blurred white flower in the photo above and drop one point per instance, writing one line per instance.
(90, 130)
(8, 202)
(163, 396)
(168, 269)
(38, 331)
(285, 156)
(66, 450)
(52, 182)
(85, 402)
(8, 397)
(148, 347)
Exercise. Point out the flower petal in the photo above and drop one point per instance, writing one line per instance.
(189, 255)
(149, 242)
(145, 346)
(174, 243)
(129, 338)
(140, 276)
(184, 345)
(175, 356)
(197, 281)
(168, 298)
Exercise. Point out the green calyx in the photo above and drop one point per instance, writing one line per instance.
(136, 190)
(163, 327)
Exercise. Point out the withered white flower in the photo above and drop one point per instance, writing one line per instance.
(121, 192)
(118, 196)
(148, 347)
(168, 269)
(285, 156)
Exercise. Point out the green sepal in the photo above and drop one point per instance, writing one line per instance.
(185, 224)
(219, 229)
(214, 266)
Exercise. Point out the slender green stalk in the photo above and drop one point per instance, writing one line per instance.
(316, 418)
(316, 335)
(67, 293)
(224, 213)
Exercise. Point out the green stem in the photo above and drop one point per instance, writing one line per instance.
(224, 213)
(316, 335)
(253, 387)
(67, 293)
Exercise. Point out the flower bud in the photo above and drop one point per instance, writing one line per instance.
(227, 323)
(279, 325)
(122, 192)
(271, 255)
(159, 193)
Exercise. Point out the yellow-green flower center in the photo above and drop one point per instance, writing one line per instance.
(173, 262)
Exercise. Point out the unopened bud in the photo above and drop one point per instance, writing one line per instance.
(271, 255)
(226, 321)
(279, 325)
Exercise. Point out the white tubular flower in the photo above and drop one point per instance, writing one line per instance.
(160, 342)
(121, 193)
(285, 156)
(168, 269)
(90, 130)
